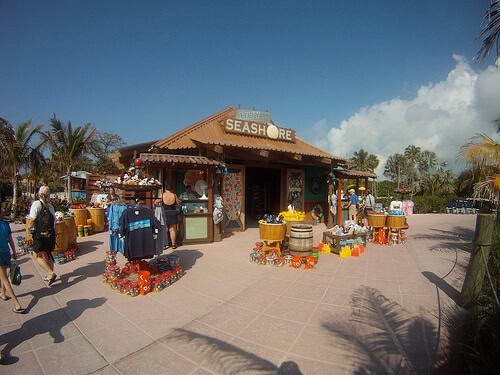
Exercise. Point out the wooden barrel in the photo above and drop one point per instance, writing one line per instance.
(29, 221)
(395, 221)
(81, 215)
(71, 226)
(61, 237)
(272, 232)
(301, 240)
(376, 221)
(289, 224)
(97, 216)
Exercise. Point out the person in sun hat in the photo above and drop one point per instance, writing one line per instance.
(44, 236)
(353, 204)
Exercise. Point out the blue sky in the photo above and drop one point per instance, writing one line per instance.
(147, 69)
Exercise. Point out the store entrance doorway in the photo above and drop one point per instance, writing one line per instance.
(262, 194)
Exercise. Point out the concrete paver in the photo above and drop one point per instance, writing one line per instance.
(228, 315)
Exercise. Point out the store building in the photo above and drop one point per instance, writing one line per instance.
(256, 166)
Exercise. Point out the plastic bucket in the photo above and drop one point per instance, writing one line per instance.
(301, 240)
(81, 215)
(61, 237)
(272, 232)
(97, 216)
(71, 226)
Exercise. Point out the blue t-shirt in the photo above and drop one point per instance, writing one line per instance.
(354, 199)
(4, 236)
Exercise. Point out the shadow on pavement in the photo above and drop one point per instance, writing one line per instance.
(459, 238)
(51, 322)
(442, 285)
(187, 257)
(63, 282)
(224, 358)
(381, 337)
(88, 246)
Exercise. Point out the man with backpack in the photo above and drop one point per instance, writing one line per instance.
(44, 235)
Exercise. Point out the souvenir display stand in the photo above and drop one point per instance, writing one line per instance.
(273, 236)
(138, 276)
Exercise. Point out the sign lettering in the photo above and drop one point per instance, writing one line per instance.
(252, 115)
(258, 129)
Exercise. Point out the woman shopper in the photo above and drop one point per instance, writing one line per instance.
(169, 200)
(44, 236)
(5, 263)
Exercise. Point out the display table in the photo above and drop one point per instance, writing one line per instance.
(334, 239)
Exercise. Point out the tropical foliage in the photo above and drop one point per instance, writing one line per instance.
(416, 171)
(490, 31)
(20, 153)
(362, 161)
(68, 145)
(482, 155)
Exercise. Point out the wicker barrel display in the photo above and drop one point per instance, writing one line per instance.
(61, 237)
(272, 232)
(376, 220)
(81, 215)
(301, 240)
(97, 216)
(71, 226)
(396, 221)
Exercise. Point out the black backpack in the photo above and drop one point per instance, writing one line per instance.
(44, 223)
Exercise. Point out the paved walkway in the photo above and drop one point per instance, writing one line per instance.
(230, 316)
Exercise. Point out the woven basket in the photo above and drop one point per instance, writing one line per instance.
(395, 221)
(376, 220)
(272, 232)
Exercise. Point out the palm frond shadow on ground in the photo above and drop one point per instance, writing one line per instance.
(383, 338)
(224, 358)
(459, 238)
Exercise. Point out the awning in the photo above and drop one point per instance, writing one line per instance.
(177, 159)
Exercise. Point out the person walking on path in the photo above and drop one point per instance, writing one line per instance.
(5, 263)
(44, 236)
(169, 200)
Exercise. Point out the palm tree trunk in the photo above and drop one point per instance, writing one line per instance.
(68, 185)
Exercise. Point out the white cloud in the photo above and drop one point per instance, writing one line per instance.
(441, 118)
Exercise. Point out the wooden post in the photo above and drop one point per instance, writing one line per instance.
(485, 224)
(329, 223)
(339, 202)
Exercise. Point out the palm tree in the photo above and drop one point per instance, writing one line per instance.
(482, 153)
(490, 32)
(17, 152)
(394, 167)
(68, 145)
(362, 161)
